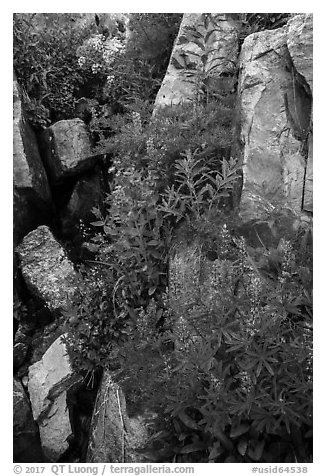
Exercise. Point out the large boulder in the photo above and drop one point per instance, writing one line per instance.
(27, 447)
(275, 108)
(46, 269)
(49, 380)
(114, 436)
(66, 149)
(32, 197)
(221, 47)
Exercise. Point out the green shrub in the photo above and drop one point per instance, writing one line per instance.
(46, 64)
(235, 380)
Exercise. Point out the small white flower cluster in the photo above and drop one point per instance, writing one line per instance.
(110, 80)
(146, 320)
(96, 68)
(216, 383)
(243, 255)
(150, 149)
(112, 48)
(225, 241)
(136, 120)
(254, 289)
(287, 260)
(246, 383)
(81, 61)
(96, 42)
(183, 334)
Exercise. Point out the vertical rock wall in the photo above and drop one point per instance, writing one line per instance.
(221, 47)
(275, 102)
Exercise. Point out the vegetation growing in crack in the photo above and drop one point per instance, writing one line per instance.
(229, 375)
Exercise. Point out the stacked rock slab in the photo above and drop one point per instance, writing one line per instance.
(66, 150)
(115, 437)
(46, 269)
(275, 109)
(49, 381)
(32, 197)
(223, 39)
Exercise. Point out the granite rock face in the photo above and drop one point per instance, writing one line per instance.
(32, 196)
(46, 269)
(221, 48)
(300, 45)
(66, 149)
(275, 109)
(114, 436)
(27, 447)
(49, 381)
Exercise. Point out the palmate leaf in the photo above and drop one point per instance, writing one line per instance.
(239, 430)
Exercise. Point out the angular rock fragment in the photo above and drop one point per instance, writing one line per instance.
(49, 381)
(32, 197)
(66, 149)
(114, 436)
(46, 269)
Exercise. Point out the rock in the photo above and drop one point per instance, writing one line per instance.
(300, 45)
(275, 107)
(46, 269)
(87, 194)
(66, 149)
(114, 436)
(32, 197)
(19, 353)
(308, 190)
(27, 447)
(49, 381)
(177, 87)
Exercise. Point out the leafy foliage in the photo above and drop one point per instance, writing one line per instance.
(46, 64)
(236, 380)
(226, 362)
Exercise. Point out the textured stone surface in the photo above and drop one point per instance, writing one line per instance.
(66, 149)
(308, 192)
(32, 197)
(300, 45)
(46, 269)
(275, 108)
(114, 436)
(26, 444)
(48, 384)
(176, 86)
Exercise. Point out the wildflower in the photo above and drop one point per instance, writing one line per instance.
(81, 61)
(287, 260)
(150, 146)
(246, 383)
(136, 120)
(182, 333)
(216, 383)
(96, 67)
(110, 80)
